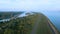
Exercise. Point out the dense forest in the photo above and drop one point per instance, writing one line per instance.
(6, 15)
(21, 25)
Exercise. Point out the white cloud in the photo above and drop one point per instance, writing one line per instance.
(30, 4)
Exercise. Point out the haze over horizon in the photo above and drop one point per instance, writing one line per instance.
(27, 5)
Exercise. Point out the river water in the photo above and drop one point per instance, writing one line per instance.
(54, 17)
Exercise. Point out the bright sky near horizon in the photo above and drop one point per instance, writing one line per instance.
(26, 5)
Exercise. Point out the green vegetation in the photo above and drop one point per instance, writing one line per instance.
(21, 25)
(43, 27)
(24, 25)
(6, 15)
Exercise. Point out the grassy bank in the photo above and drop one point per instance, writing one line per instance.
(43, 27)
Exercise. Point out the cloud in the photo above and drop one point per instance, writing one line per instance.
(30, 4)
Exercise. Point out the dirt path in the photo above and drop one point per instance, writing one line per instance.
(53, 28)
(35, 26)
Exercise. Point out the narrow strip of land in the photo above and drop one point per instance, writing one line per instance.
(36, 24)
(45, 26)
(53, 28)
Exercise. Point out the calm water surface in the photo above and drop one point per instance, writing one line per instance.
(54, 17)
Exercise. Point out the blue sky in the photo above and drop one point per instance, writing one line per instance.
(27, 5)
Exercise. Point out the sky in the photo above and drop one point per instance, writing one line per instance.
(29, 5)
